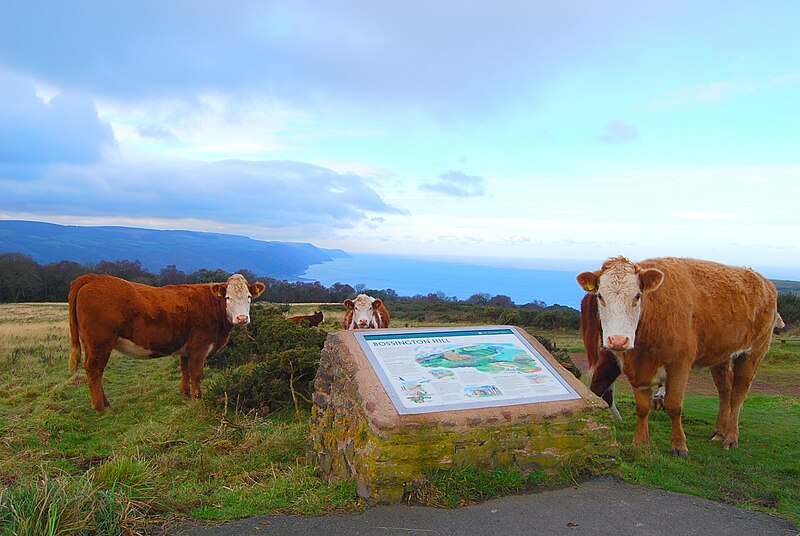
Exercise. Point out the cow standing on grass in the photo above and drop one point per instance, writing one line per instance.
(661, 317)
(194, 321)
(365, 312)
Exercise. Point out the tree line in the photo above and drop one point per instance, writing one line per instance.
(22, 279)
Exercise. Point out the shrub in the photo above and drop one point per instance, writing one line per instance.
(271, 366)
(268, 333)
(280, 381)
(789, 308)
(561, 355)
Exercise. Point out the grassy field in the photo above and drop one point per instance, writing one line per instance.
(156, 459)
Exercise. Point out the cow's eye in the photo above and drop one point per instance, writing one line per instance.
(601, 300)
(636, 299)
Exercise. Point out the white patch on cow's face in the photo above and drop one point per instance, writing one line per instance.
(363, 316)
(619, 305)
(237, 300)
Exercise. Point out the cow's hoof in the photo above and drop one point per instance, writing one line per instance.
(730, 444)
(680, 452)
(717, 436)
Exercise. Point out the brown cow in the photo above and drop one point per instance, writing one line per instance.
(661, 317)
(365, 312)
(313, 320)
(193, 321)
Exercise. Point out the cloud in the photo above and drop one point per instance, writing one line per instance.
(618, 131)
(269, 194)
(65, 129)
(445, 58)
(457, 184)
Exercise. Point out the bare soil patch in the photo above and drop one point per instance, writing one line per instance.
(701, 383)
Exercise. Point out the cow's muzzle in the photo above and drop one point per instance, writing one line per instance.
(618, 343)
(242, 319)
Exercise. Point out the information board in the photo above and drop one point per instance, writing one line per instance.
(461, 368)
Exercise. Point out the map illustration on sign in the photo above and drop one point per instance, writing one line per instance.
(461, 368)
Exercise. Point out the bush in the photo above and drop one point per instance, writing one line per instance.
(271, 366)
(268, 333)
(280, 381)
(561, 355)
(789, 308)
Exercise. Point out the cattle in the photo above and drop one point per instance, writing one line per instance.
(193, 321)
(662, 317)
(312, 320)
(365, 312)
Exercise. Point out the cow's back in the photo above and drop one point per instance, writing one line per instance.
(710, 307)
(157, 318)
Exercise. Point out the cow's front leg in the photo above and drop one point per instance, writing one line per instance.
(196, 362)
(644, 399)
(673, 404)
(185, 391)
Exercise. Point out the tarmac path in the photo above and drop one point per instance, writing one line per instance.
(598, 507)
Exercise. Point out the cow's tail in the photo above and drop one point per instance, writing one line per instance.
(74, 334)
(590, 330)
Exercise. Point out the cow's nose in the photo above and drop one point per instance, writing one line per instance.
(618, 342)
(362, 323)
(242, 319)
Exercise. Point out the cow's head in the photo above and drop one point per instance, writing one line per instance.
(237, 294)
(362, 308)
(619, 286)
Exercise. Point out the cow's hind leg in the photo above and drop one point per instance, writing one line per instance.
(97, 354)
(723, 378)
(744, 369)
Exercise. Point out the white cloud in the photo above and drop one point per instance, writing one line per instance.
(618, 131)
(457, 184)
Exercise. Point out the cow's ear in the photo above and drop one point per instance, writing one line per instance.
(348, 303)
(588, 280)
(256, 289)
(376, 303)
(219, 289)
(650, 279)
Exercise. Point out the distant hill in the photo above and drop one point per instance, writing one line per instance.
(792, 287)
(187, 250)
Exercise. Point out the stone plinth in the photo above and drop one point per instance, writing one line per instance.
(356, 431)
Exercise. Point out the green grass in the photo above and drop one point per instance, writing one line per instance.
(155, 456)
(762, 474)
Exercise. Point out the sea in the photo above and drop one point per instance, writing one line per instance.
(523, 280)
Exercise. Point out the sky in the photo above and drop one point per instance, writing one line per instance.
(509, 130)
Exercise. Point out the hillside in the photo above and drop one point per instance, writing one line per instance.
(187, 250)
(791, 287)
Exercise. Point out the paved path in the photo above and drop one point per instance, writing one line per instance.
(603, 506)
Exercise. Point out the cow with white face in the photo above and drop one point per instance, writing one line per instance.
(662, 317)
(365, 312)
(237, 298)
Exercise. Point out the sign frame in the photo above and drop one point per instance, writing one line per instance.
(410, 336)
